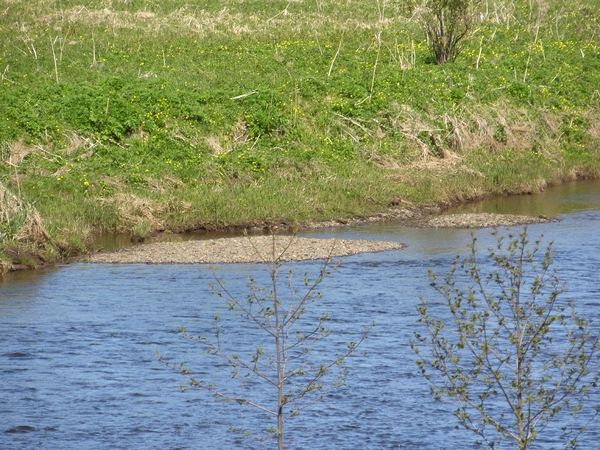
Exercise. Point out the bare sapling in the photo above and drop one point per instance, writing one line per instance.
(519, 362)
(281, 376)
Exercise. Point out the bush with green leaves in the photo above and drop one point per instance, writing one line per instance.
(513, 355)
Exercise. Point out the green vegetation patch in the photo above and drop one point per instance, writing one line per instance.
(253, 110)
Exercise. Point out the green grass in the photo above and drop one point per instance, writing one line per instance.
(226, 113)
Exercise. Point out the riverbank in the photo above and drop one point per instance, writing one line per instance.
(255, 249)
(155, 118)
(38, 254)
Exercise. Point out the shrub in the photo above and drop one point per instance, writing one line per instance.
(512, 354)
(448, 25)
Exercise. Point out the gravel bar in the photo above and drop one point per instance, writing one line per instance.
(241, 250)
(483, 220)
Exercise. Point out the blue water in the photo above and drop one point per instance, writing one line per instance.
(77, 343)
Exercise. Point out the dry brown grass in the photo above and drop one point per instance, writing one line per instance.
(352, 15)
(480, 127)
(13, 154)
(166, 182)
(21, 218)
(220, 145)
(594, 118)
(132, 211)
(432, 137)
(214, 143)
(198, 22)
(76, 142)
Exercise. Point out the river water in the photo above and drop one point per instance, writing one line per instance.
(77, 343)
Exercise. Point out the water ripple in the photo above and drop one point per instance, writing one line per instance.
(78, 369)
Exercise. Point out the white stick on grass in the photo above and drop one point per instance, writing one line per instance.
(336, 55)
(378, 38)
(55, 60)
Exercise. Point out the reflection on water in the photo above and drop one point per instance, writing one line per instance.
(568, 198)
(77, 342)
(110, 242)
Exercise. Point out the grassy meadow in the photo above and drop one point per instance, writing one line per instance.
(169, 115)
